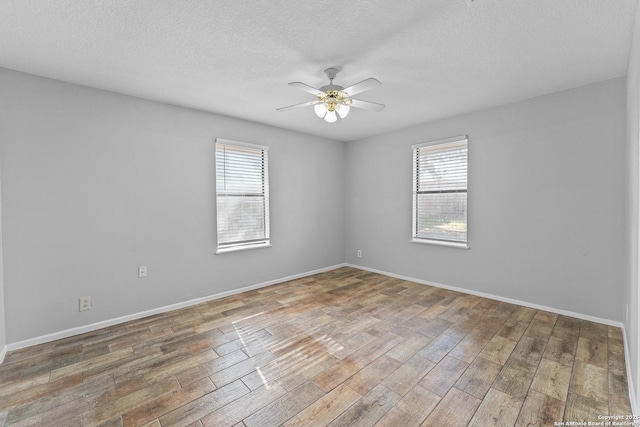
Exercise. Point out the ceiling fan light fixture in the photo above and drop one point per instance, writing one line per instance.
(331, 117)
(334, 102)
(321, 109)
(343, 110)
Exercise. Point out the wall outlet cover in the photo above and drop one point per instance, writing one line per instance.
(85, 303)
(142, 271)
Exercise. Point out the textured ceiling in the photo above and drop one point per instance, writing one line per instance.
(435, 58)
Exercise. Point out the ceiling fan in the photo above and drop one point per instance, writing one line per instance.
(335, 101)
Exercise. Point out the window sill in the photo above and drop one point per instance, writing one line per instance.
(242, 248)
(441, 243)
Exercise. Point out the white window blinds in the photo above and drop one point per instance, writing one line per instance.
(242, 194)
(440, 190)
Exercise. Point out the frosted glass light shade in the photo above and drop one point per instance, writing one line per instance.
(342, 110)
(320, 109)
(331, 117)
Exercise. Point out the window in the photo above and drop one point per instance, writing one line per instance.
(440, 192)
(242, 195)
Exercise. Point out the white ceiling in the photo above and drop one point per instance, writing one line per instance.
(435, 58)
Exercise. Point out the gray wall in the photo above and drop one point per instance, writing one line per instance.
(95, 184)
(546, 202)
(632, 212)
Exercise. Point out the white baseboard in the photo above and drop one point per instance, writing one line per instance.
(630, 386)
(105, 323)
(608, 322)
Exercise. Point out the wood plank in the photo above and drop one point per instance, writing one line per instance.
(116, 407)
(376, 348)
(369, 409)
(155, 408)
(371, 375)
(411, 410)
(497, 409)
(410, 311)
(593, 330)
(540, 410)
(202, 406)
(351, 344)
(552, 379)
(337, 374)
(411, 344)
(515, 378)
(455, 409)
(234, 372)
(444, 375)
(618, 382)
(114, 422)
(437, 349)
(561, 349)
(285, 407)
(304, 373)
(580, 408)
(592, 351)
(20, 384)
(29, 395)
(180, 366)
(498, 349)
(435, 327)
(619, 404)
(408, 374)
(529, 350)
(513, 329)
(61, 400)
(130, 368)
(283, 365)
(106, 359)
(478, 377)
(325, 409)
(590, 381)
(243, 407)
(206, 369)
(470, 346)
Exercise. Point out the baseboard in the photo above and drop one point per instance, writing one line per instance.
(3, 353)
(105, 323)
(608, 322)
(630, 387)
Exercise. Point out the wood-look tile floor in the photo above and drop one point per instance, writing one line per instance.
(341, 348)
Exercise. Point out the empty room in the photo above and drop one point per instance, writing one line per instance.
(362, 213)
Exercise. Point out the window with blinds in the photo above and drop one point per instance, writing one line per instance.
(440, 192)
(242, 195)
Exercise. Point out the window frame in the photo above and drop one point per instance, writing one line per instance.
(240, 245)
(415, 192)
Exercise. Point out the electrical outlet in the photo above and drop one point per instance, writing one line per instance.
(85, 303)
(359, 253)
(142, 271)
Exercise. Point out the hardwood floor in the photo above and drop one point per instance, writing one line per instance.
(341, 348)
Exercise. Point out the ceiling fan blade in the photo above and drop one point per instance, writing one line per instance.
(367, 84)
(367, 105)
(304, 104)
(307, 88)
